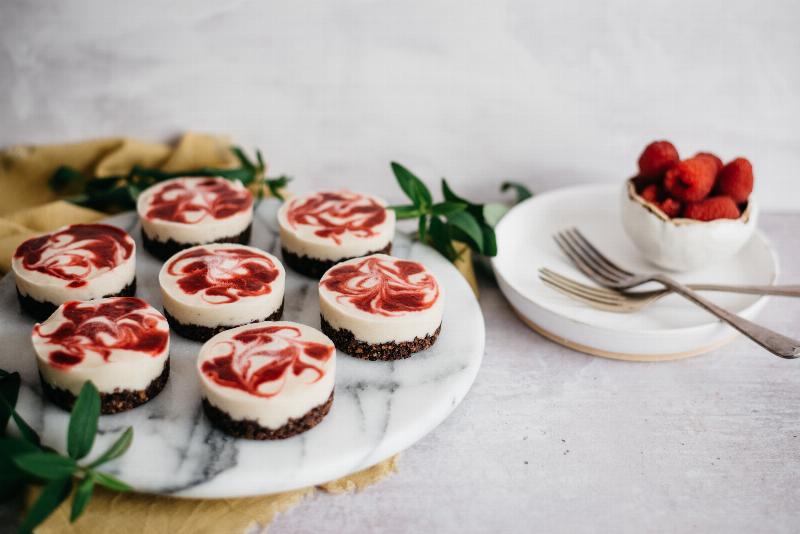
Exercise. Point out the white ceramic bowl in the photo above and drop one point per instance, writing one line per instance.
(683, 244)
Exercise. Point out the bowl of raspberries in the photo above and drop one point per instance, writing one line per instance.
(685, 214)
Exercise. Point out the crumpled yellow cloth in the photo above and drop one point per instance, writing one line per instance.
(122, 512)
(28, 207)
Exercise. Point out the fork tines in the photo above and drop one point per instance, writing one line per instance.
(588, 259)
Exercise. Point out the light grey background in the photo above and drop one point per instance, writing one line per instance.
(547, 92)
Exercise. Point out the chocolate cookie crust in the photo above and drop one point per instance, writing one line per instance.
(164, 249)
(346, 342)
(250, 429)
(315, 268)
(204, 333)
(118, 401)
(42, 310)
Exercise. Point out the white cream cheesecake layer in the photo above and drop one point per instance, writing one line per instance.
(222, 303)
(100, 282)
(374, 327)
(122, 369)
(304, 240)
(288, 396)
(204, 228)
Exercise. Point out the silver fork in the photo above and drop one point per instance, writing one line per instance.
(603, 271)
(618, 301)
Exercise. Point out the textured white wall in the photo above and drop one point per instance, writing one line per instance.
(550, 92)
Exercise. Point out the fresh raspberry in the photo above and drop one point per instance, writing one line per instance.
(736, 180)
(712, 208)
(657, 158)
(671, 207)
(653, 193)
(713, 157)
(691, 180)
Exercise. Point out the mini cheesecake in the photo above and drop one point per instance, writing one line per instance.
(322, 229)
(77, 262)
(121, 344)
(269, 380)
(180, 213)
(210, 288)
(380, 307)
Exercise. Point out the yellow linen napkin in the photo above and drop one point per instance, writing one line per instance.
(27, 207)
(119, 512)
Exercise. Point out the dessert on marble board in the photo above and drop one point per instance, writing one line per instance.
(210, 288)
(183, 212)
(321, 229)
(380, 307)
(269, 380)
(76, 262)
(121, 344)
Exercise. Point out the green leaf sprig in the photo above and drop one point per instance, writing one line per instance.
(25, 459)
(119, 193)
(453, 219)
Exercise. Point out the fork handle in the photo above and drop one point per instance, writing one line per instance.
(774, 342)
(779, 291)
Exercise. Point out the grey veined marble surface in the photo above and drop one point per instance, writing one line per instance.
(379, 408)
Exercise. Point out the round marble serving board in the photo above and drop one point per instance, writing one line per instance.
(379, 409)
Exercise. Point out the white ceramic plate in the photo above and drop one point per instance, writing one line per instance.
(379, 409)
(671, 328)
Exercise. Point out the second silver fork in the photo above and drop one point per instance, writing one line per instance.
(603, 271)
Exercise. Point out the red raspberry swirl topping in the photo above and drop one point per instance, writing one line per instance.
(192, 200)
(259, 360)
(335, 213)
(384, 287)
(124, 323)
(223, 275)
(75, 253)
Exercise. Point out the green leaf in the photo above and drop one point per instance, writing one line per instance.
(276, 184)
(242, 157)
(10, 475)
(116, 450)
(81, 497)
(449, 195)
(467, 230)
(405, 212)
(110, 482)
(24, 428)
(492, 213)
(46, 465)
(53, 494)
(9, 389)
(522, 192)
(422, 229)
(67, 180)
(412, 187)
(440, 238)
(448, 208)
(489, 241)
(83, 422)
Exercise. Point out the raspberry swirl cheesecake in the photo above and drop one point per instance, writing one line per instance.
(322, 229)
(77, 262)
(183, 212)
(269, 380)
(121, 344)
(209, 288)
(380, 307)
